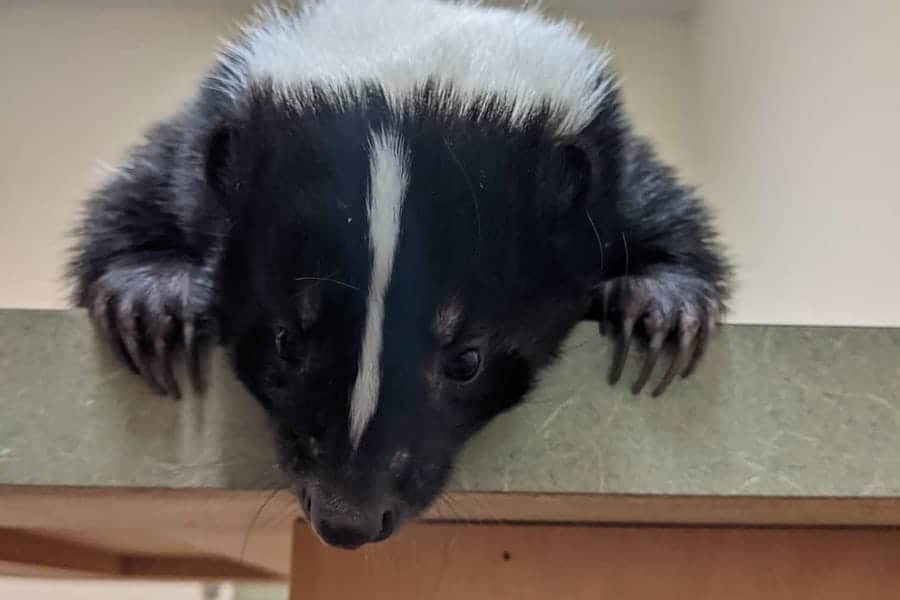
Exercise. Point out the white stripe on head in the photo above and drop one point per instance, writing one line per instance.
(388, 179)
(470, 51)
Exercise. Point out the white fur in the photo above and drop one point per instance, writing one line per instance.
(399, 45)
(388, 180)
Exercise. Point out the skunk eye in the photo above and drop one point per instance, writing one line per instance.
(314, 448)
(464, 366)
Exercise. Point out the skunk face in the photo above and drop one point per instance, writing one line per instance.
(399, 280)
(391, 213)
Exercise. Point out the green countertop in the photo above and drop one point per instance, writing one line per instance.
(780, 411)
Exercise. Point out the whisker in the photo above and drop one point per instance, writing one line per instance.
(255, 518)
(596, 235)
(485, 516)
(468, 180)
(329, 280)
(453, 507)
(625, 242)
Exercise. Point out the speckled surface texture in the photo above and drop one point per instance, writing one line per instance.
(772, 411)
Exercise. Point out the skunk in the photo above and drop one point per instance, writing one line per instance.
(390, 214)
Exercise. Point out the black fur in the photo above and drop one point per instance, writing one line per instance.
(245, 224)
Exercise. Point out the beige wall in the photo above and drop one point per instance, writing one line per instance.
(655, 60)
(785, 113)
(800, 112)
(80, 80)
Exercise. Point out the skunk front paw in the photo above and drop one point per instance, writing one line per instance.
(665, 312)
(152, 313)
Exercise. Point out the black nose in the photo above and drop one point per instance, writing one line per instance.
(351, 530)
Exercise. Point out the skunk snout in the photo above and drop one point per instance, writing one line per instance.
(348, 525)
(352, 530)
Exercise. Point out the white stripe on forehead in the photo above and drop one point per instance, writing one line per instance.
(388, 179)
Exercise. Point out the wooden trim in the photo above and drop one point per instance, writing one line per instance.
(42, 554)
(746, 511)
(40, 507)
(536, 562)
(41, 551)
(193, 567)
(252, 529)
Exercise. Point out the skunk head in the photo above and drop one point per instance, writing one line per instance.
(400, 197)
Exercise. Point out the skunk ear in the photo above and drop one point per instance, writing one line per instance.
(585, 167)
(563, 179)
